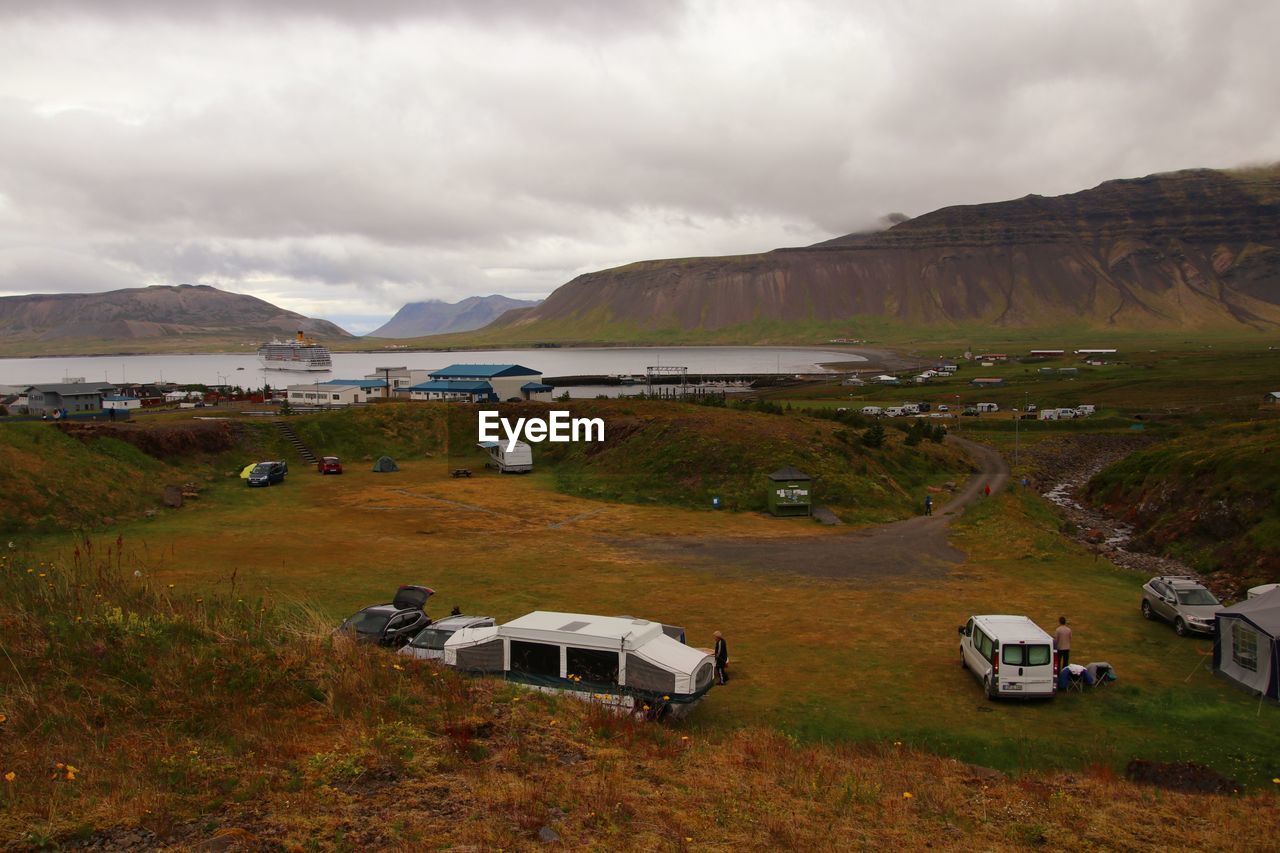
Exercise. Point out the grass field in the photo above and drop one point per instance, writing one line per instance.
(823, 660)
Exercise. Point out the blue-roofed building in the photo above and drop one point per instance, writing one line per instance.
(453, 391)
(504, 381)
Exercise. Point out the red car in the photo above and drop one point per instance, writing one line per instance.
(330, 465)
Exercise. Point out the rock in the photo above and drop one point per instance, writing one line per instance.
(547, 835)
(173, 496)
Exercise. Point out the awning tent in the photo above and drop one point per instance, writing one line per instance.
(1248, 647)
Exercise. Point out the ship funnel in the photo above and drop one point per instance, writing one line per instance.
(300, 336)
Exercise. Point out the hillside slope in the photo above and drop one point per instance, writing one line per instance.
(1193, 250)
(136, 715)
(1208, 498)
(434, 316)
(157, 318)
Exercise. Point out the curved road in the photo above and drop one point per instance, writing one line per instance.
(914, 547)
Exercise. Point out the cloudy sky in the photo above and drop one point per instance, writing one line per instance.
(341, 159)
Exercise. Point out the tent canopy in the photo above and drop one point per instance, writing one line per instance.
(1263, 611)
(385, 464)
(244, 472)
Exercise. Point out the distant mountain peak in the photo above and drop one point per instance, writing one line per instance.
(435, 316)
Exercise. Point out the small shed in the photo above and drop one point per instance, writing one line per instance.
(790, 492)
(1248, 647)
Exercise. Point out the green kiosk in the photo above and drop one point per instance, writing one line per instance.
(789, 492)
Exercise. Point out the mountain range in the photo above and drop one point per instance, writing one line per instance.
(158, 318)
(1189, 250)
(433, 317)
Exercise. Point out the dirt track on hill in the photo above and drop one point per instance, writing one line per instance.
(914, 548)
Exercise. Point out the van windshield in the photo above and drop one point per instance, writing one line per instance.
(431, 638)
(1026, 655)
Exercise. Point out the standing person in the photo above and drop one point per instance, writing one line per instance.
(1062, 640)
(986, 490)
(928, 504)
(722, 658)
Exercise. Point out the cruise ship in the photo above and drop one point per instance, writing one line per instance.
(301, 353)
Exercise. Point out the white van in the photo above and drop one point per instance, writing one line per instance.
(872, 411)
(517, 460)
(1011, 656)
(1066, 414)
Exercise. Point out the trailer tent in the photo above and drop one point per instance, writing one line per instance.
(1248, 647)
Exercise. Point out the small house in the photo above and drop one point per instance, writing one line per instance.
(948, 367)
(69, 396)
(886, 379)
(1272, 397)
(504, 382)
(120, 404)
(790, 492)
(337, 392)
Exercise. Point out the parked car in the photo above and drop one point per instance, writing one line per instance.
(1011, 656)
(943, 408)
(429, 644)
(1181, 600)
(391, 624)
(330, 465)
(267, 473)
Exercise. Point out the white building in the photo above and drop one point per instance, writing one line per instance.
(337, 392)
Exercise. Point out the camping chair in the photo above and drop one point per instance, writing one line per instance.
(1103, 674)
(1075, 681)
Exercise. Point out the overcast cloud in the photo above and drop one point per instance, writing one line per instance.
(342, 159)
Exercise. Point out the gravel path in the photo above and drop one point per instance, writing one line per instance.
(916, 548)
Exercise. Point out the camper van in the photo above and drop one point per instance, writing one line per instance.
(1086, 409)
(988, 407)
(632, 665)
(517, 460)
(1010, 655)
(894, 412)
(911, 408)
(872, 411)
(1066, 414)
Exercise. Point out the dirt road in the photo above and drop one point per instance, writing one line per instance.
(913, 548)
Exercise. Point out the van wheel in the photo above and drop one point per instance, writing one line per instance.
(986, 682)
(1180, 627)
(1146, 610)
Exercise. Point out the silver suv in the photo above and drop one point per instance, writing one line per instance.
(1181, 600)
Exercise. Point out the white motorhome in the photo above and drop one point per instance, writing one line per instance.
(894, 412)
(1086, 409)
(1066, 414)
(1011, 656)
(633, 665)
(873, 411)
(988, 407)
(517, 460)
(911, 408)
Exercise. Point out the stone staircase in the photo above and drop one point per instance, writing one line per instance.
(292, 437)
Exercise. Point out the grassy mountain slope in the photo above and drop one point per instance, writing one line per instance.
(1194, 251)
(180, 318)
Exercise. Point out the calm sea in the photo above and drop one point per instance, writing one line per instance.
(246, 371)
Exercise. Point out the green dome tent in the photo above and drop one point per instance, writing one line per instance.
(384, 465)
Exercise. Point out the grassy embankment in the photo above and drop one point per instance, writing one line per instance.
(1208, 498)
(822, 659)
(178, 715)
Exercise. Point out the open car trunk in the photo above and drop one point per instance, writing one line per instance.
(412, 597)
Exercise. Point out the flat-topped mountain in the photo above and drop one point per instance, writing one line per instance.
(1197, 249)
(157, 318)
(435, 316)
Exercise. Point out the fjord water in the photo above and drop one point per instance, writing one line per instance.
(244, 369)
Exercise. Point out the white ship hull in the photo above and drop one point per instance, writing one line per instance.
(295, 356)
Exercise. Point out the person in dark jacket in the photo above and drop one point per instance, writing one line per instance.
(722, 658)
